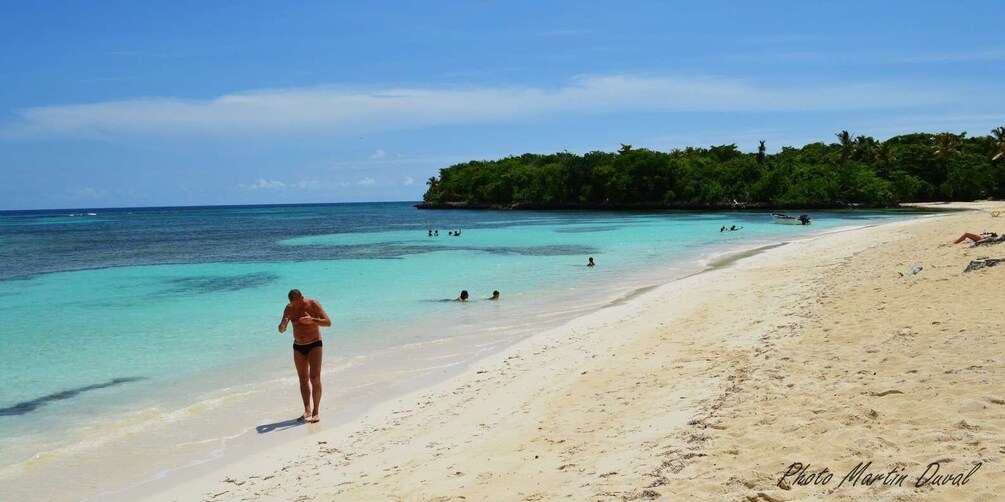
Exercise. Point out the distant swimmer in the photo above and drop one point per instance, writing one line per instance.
(457, 233)
(723, 229)
(463, 297)
(436, 233)
(734, 228)
(450, 233)
(307, 316)
(591, 264)
(430, 232)
(495, 295)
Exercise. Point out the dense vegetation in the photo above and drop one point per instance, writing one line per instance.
(853, 170)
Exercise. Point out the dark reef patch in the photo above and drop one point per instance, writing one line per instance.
(215, 284)
(25, 407)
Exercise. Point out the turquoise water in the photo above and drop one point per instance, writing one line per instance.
(127, 316)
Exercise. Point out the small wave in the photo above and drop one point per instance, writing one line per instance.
(215, 454)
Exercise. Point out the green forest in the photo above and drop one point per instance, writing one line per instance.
(851, 171)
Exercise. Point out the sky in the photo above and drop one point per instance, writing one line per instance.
(129, 104)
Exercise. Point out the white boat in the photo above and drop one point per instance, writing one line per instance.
(791, 220)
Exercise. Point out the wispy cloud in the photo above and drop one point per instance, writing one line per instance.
(955, 56)
(273, 185)
(565, 33)
(326, 110)
(379, 154)
(858, 59)
(391, 162)
(263, 184)
(105, 79)
(792, 38)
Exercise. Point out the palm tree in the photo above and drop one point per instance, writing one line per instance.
(433, 194)
(864, 147)
(760, 152)
(947, 145)
(998, 134)
(844, 139)
(884, 153)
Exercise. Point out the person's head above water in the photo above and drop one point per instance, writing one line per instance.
(590, 264)
(464, 296)
(495, 295)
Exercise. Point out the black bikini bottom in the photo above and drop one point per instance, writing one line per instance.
(306, 348)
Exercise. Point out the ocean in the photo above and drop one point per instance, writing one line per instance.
(149, 334)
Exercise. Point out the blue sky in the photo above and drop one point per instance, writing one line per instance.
(124, 103)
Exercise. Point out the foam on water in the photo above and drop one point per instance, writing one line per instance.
(178, 308)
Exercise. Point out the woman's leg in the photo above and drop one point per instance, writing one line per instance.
(301, 362)
(966, 236)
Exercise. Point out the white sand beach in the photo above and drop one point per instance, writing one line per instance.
(709, 387)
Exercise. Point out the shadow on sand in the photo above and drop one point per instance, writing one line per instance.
(280, 426)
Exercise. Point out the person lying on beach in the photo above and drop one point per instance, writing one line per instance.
(463, 297)
(975, 237)
(306, 315)
(495, 295)
(993, 239)
(590, 263)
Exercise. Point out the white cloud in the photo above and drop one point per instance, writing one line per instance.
(264, 184)
(408, 181)
(379, 154)
(366, 182)
(327, 110)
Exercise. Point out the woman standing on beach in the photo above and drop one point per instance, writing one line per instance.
(307, 315)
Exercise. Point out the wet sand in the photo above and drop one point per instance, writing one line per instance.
(816, 352)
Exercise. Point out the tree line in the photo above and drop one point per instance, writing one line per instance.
(854, 170)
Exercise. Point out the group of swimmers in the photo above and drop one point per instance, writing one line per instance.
(464, 296)
(451, 233)
(733, 228)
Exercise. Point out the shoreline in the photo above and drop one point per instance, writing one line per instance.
(391, 418)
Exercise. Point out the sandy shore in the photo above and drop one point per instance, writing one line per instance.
(711, 387)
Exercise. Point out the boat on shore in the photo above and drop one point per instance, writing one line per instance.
(791, 220)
